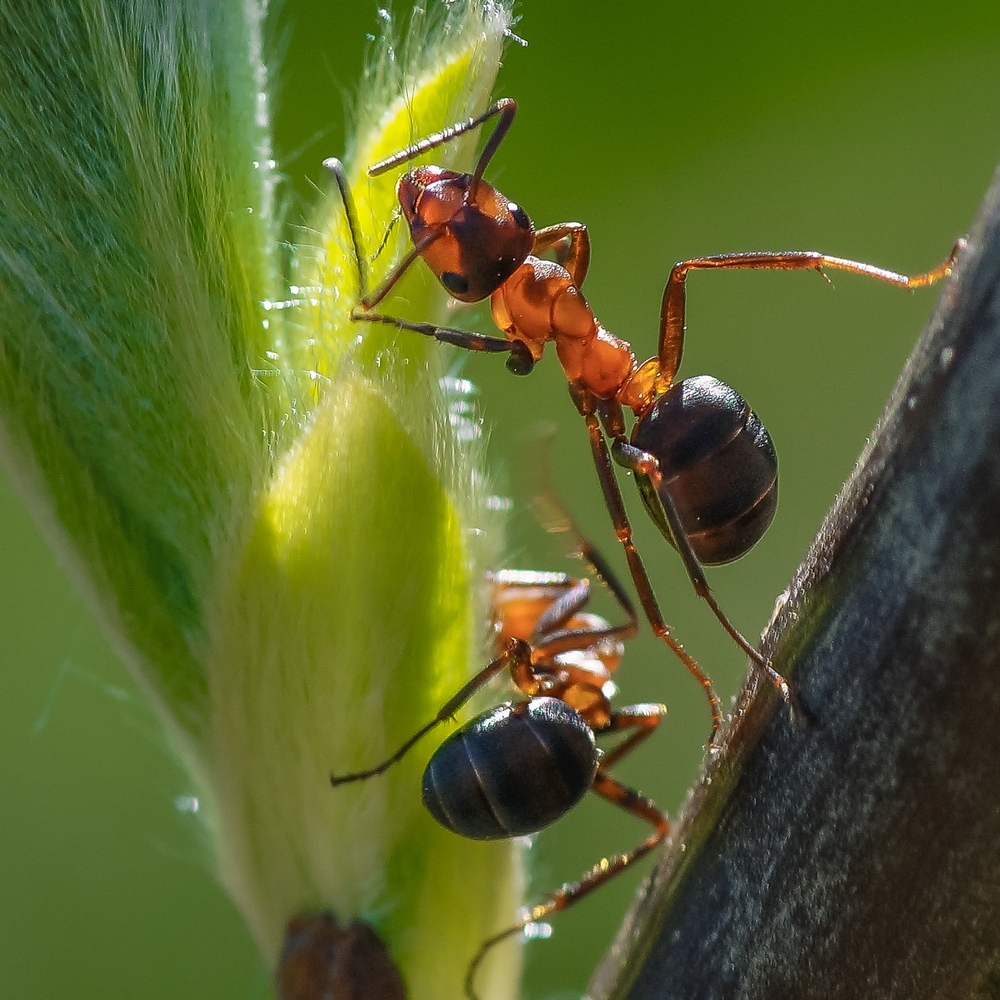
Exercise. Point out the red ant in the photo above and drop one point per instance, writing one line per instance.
(521, 766)
(704, 464)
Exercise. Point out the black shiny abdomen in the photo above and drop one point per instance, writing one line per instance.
(718, 464)
(512, 770)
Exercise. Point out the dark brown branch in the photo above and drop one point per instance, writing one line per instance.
(859, 857)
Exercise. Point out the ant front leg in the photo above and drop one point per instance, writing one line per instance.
(571, 243)
(554, 632)
(623, 797)
(515, 657)
(672, 309)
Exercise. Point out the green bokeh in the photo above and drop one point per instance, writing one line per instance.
(671, 133)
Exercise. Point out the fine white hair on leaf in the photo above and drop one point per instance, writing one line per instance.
(270, 507)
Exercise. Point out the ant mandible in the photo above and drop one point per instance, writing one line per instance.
(703, 462)
(521, 766)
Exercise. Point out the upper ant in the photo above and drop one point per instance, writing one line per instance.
(521, 766)
(704, 463)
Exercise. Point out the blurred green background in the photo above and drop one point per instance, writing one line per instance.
(868, 131)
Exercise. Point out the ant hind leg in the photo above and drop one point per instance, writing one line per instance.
(623, 797)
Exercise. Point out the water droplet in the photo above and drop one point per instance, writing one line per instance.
(537, 931)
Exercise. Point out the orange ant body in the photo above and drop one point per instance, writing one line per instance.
(703, 462)
(519, 767)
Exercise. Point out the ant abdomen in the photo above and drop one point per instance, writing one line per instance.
(511, 771)
(718, 464)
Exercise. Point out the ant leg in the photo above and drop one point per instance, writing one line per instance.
(638, 461)
(560, 611)
(522, 598)
(548, 636)
(621, 796)
(556, 520)
(371, 299)
(623, 529)
(550, 640)
(642, 718)
(516, 657)
(505, 108)
(546, 632)
(571, 243)
(672, 310)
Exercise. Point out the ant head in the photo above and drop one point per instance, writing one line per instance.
(470, 235)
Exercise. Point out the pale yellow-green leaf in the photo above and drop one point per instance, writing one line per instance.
(276, 512)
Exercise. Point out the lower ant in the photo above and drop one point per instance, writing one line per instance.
(519, 767)
(704, 464)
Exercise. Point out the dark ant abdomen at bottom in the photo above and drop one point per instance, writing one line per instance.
(718, 464)
(511, 771)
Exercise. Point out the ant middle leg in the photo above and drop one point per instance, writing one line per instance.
(642, 463)
(623, 529)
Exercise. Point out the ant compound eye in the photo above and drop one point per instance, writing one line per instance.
(519, 215)
(454, 283)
